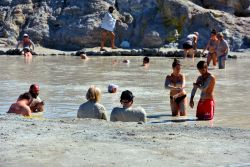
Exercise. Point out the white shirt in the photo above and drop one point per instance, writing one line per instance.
(108, 22)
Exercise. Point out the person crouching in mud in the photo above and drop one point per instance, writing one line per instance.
(176, 83)
(205, 82)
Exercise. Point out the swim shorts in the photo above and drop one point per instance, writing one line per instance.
(205, 109)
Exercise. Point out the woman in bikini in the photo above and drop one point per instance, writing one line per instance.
(176, 83)
(211, 47)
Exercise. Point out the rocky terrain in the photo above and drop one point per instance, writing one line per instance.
(75, 24)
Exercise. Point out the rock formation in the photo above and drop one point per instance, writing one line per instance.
(75, 24)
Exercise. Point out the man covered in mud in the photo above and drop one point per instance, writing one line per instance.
(22, 105)
(127, 113)
(205, 82)
(37, 104)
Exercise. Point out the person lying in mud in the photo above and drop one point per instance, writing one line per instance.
(126, 113)
(211, 47)
(37, 104)
(91, 108)
(22, 105)
(205, 82)
(176, 83)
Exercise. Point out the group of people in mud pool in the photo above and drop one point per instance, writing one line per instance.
(217, 47)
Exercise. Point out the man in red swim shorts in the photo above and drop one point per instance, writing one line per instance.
(205, 82)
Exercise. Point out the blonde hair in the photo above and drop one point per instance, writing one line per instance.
(93, 94)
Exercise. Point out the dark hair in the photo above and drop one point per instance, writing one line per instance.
(26, 96)
(127, 95)
(175, 63)
(214, 32)
(33, 86)
(146, 59)
(111, 8)
(201, 64)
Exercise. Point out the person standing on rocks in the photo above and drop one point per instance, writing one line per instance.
(108, 25)
(176, 83)
(211, 47)
(127, 113)
(26, 43)
(91, 108)
(222, 51)
(205, 82)
(190, 45)
(22, 105)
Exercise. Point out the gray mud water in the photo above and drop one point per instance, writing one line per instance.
(64, 81)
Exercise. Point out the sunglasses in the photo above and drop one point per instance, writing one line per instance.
(125, 101)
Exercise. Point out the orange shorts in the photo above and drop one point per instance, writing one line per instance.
(205, 109)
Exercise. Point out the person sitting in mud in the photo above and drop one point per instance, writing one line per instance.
(205, 82)
(190, 45)
(22, 105)
(37, 104)
(127, 113)
(112, 88)
(84, 56)
(176, 83)
(91, 108)
(26, 43)
(108, 25)
(222, 51)
(145, 61)
(211, 47)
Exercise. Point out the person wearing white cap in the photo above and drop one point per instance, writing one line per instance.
(26, 43)
(190, 45)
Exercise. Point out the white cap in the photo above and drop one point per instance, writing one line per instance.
(25, 35)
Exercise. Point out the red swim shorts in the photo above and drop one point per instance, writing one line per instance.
(205, 109)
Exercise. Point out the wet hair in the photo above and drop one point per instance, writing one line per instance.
(111, 8)
(201, 64)
(93, 94)
(127, 95)
(175, 63)
(146, 59)
(214, 32)
(26, 96)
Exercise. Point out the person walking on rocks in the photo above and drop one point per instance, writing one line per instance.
(205, 82)
(211, 47)
(176, 83)
(222, 51)
(108, 25)
(190, 45)
(127, 113)
(91, 108)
